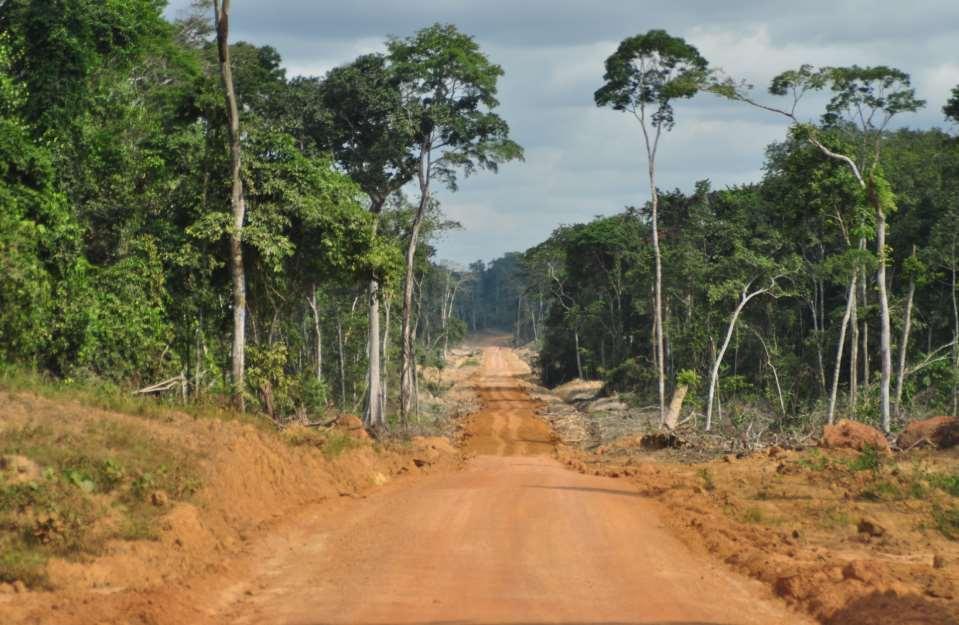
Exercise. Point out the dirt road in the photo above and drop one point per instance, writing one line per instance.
(514, 538)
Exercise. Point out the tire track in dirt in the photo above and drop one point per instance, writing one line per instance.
(514, 538)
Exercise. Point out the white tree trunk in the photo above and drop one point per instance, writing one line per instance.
(408, 399)
(885, 335)
(221, 13)
(840, 347)
(904, 342)
(375, 416)
(714, 374)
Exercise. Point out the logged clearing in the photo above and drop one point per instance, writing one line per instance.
(515, 528)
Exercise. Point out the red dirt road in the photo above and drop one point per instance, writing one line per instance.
(515, 538)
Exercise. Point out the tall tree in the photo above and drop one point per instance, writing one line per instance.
(643, 77)
(221, 14)
(371, 136)
(450, 91)
(864, 99)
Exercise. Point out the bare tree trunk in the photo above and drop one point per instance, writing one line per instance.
(676, 405)
(339, 342)
(579, 361)
(854, 351)
(221, 14)
(904, 341)
(955, 335)
(375, 415)
(314, 306)
(385, 360)
(658, 297)
(374, 409)
(850, 307)
(885, 335)
(714, 374)
(864, 298)
(818, 332)
(408, 374)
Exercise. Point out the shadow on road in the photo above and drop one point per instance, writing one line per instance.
(605, 491)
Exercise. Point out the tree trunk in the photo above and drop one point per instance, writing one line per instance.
(850, 306)
(385, 362)
(408, 375)
(314, 306)
(374, 409)
(854, 351)
(339, 342)
(955, 336)
(714, 374)
(579, 361)
(221, 13)
(904, 341)
(658, 296)
(885, 335)
(675, 406)
(375, 415)
(864, 298)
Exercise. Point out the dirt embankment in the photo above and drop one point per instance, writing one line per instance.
(851, 538)
(250, 481)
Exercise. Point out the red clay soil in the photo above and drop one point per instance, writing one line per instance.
(513, 538)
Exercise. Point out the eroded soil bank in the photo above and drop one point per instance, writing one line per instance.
(511, 527)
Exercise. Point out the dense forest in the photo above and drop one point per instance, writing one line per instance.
(178, 214)
(771, 285)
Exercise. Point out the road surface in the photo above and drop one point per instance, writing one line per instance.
(515, 538)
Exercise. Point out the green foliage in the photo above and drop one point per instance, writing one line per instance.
(688, 377)
(451, 86)
(869, 459)
(951, 108)
(650, 71)
(59, 514)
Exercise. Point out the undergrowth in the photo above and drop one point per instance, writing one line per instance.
(103, 394)
(94, 482)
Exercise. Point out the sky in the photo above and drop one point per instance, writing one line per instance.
(582, 161)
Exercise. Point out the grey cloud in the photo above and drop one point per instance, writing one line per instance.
(582, 161)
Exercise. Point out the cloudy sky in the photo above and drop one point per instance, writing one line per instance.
(582, 161)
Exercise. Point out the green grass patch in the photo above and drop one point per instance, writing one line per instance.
(470, 362)
(833, 517)
(332, 442)
(946, 483)
(946, 521)
(97, 482)
(869, 459)
(882, 490)
(106, 395)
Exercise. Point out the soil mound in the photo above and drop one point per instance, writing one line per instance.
(846, 434)
(939, 432)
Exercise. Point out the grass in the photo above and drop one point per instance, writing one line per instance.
(833, 517)
(99, 393)
(97, 483)
(332, 443)
(947, 521)
(867, 460)
(708, 483)
(470, 362)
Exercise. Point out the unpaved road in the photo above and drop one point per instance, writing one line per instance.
(515, 538)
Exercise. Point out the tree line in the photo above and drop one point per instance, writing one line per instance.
(173, 206)
(838, 268)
